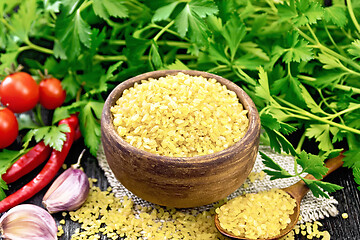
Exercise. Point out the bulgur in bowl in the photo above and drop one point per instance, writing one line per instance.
(180, 138)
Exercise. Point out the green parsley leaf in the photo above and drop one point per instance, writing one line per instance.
(290, 87)
(308, 12)
(53, 6)
(321, 133)
(65, 111)
(300, 12)
(177, 65)
(352, 158)
(312, 164)
(163, 13)
(328, 61)
(72, 32)
(23, 19)
(53, 136)
(233, 32)
(335, 14)
(279, 142)
(7, 158)
(318, 187)
(110, 8)
(354, 49)
(90, 117)
(277, 171)
(26, 122)
(293, 49)
(190, 19)
(356, 173)
(155, 57)
(262, 89)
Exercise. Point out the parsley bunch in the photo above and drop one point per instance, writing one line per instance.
(298, 60)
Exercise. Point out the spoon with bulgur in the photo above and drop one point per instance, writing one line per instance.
(266, 215)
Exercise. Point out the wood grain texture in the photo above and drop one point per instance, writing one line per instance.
(178, 181)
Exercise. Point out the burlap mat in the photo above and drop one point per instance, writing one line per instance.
(312, 208)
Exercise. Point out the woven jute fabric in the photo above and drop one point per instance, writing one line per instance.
(312, 208)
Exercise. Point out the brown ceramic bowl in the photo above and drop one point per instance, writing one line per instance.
(178, 181)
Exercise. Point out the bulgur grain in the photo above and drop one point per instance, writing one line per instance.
(180, 115)
(104, 214)
(260, 215)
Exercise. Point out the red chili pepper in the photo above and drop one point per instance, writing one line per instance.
(49, 171)
(28, 162)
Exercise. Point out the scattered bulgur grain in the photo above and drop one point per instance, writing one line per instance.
(60, 231)
(104, 214)
(180, 115)
(260, 215)
(311, 231)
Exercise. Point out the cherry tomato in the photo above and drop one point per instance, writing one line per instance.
(9, 127)
(19, 92)
(52, 95)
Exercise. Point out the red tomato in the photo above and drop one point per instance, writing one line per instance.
(52, 95)
(19, 92)
(9, 127)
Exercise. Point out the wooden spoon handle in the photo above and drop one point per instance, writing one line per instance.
(299, 189)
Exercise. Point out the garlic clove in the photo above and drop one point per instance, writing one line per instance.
(68, 192)
(28, 222)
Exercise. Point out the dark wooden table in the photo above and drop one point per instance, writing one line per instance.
(339, 228)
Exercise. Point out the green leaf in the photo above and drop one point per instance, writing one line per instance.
(293, 49)
(52, 6)
(354, 49)
(26, 122)
(300, 12)
(262, 89)
(249, 61)
(23, 19)
(177, 65)
(155, 56)
(89, 117)
(217, 53)
(356, 173)
(321, 133)
(7, 158)
(163, 13)
(312, 164)
(65, 111)
(290, 87)
(234, 32)
(110, 8)
(53, 136)
(335, 14)
(190, 19)
(308, 12)
(279, 142)
(328, 79)
(328, 61)
(318, 187)
(352, 158)
(254, 49)
(277, 171)
(72, 32)
(70, 85)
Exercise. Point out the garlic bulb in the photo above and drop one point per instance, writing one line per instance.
(28, 222)
(68, 192)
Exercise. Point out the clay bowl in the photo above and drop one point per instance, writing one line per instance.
(177, 181)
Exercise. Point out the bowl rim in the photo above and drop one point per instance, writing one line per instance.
(253, 116)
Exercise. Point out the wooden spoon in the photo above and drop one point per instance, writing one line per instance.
(296, 191)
